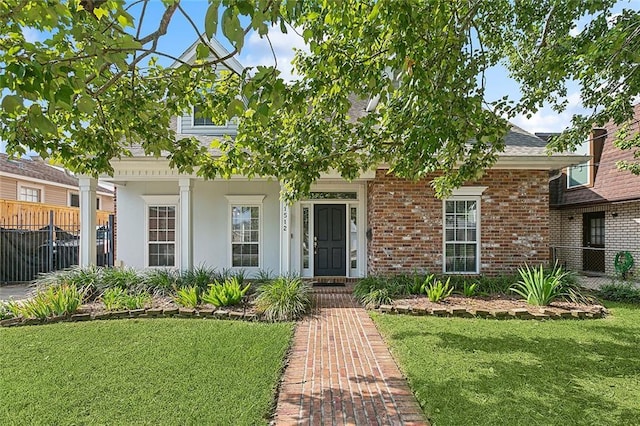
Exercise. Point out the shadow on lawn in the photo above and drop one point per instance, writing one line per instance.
(535, 379)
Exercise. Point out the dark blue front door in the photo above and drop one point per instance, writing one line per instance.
(330, 239)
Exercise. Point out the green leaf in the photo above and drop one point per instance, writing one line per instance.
(86, 105)
(100, 12)
(211, 19)
(235, 108)
(40, 121)
(232, 29)
(202, 51)
(11, 103)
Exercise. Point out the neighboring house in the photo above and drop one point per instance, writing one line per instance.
(32, 185)
(377, 223)
(595, 207)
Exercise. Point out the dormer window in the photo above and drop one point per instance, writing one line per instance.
(580, 175)
(200, 120)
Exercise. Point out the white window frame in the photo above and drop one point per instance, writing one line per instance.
(579, 185)
(29, 185)
(246, 201)
(585, 148)
(232, 123)
(360, 202)
(162, 201)
(69, 194)
(464, 194)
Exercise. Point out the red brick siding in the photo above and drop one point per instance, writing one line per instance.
(406, 223)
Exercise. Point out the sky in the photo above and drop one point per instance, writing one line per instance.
(256, 51)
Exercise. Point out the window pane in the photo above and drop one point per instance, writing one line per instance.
(354, 237)
(200, 120)
(461, 237)
(162, 236)
(245, 236)
(305, 237)
(333, 196)
(578, 175)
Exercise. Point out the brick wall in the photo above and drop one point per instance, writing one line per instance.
(406, 223)
(621, 230)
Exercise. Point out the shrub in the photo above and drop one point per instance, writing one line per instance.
(64, 299)
(161, 281)
(87, 279)
(5, 311)
(55, 300)
(541, 287)
(116, 299)
(124, 278)
(283, 299)
(375, 291)
(496, 285)
(537, 286)
(438, 290)
(469, 289)
(228, 293)
(112, 298)
(187, 296)
(199, 277)
(419, 283)
(620, 292)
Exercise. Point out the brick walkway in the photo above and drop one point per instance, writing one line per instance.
(341, 371)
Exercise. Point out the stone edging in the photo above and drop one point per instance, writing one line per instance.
(519, 313)
(135, 313)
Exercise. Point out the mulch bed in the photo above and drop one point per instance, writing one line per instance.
(495, 302)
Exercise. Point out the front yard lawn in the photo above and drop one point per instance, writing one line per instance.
(161, 371)
(488, 372)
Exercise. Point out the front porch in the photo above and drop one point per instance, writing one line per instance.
(164, 219)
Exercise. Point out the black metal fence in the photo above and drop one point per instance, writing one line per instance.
(594, 261)
(34, 244)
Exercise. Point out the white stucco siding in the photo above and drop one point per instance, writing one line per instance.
(131, 216)
(211, 222)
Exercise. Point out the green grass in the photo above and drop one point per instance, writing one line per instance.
(488, 372)
(134, 372)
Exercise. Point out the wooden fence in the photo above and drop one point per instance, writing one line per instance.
(17, 213)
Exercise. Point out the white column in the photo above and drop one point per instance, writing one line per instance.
(186, 235)
(87, 255)
(285, 238)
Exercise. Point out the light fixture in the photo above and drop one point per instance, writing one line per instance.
(614, 214)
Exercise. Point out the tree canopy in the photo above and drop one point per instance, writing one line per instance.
(93, 86)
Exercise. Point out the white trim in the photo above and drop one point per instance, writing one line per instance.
(361, 206)
(477, 199)
(579, 185)
(227, 125)
(30, 186)
(469, 191)
(72, 192)
(88, 250)
(162, 201)
(245, 201)
(179, 124)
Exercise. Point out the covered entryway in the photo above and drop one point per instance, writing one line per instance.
(330, 240)
(593, 242)
(328, 232)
